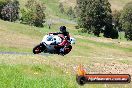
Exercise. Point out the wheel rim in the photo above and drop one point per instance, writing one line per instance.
(67, 50)
(37, 50)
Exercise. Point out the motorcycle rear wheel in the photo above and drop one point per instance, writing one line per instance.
(66, 50)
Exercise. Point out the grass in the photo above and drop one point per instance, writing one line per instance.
(14, 49)
(118, 4)
(36, 77)
(19, 38)
(22, 29)
(53, 12)
(41, 72)
(125, 61)
(54, 71)
(115, 4)
(37, 71)
(52, 9)
(107, 45)
(26, 76)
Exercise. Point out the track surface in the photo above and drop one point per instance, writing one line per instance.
(23, 53)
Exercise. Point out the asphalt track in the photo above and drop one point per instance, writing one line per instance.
(22, 53)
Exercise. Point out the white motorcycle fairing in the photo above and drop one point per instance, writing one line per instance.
(49, 42)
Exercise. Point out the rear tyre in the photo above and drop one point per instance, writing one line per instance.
(68, 49)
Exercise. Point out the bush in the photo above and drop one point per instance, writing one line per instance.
(114, 34)
(10, 12)
(33, 14)
(61, 8)
(70, 12)
(126, 20)
(26, 16)
(128, 34)
(116, 20)
(93, 15)
(2, 4)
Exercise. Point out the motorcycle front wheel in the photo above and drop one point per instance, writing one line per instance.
(38, 49)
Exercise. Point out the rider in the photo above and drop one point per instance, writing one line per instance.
(65, 38)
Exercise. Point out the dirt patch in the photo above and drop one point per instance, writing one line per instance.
(112, 68)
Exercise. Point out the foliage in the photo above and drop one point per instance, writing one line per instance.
(116, 20)
(93, 15)
(10, 12)
(128, 34)
(2, 4)
(76, 10)
(126, 20)
(61, 8)
(33, 14)
(70, 12)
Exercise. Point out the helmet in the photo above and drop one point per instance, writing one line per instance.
(63, 29)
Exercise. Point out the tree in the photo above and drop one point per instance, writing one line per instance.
(81, 15)
(126, 20)
(93, 15)
(10, 12)
(61, 8)
(76, 10)
(128, 34)
(70, 12)
(2, 4)
(33, 14)
(116, 20)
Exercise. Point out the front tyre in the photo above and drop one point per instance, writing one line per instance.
(38, 49)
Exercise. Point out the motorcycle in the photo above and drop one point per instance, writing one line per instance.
(48, 45)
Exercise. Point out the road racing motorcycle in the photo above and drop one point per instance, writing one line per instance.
(49, 43)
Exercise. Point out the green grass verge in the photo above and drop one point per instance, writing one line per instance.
(14, 49)
(25, 76)
(106, 45)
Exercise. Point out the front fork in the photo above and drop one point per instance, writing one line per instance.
(43, 46)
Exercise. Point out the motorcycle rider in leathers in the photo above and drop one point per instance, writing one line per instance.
(65, 39)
